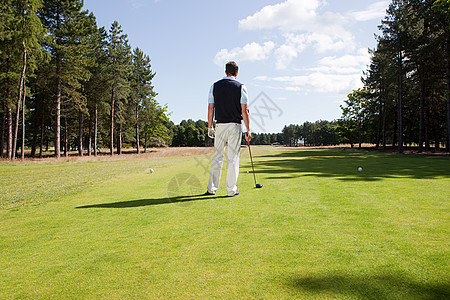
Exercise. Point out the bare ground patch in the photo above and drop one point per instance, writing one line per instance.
(126, 154)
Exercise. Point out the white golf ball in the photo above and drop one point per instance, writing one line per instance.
(151, 171)
(359, 169)
(247, 171)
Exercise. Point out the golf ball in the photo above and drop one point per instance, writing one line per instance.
(151, 171)
(359, 169)
(247, 171)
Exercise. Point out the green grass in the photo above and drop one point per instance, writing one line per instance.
(318, 229)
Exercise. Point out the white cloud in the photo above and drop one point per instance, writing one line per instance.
(376, 10)
(302, 26)
(250, 52)
(289, 15)
(332, 75)
(297, 16)
(284, 55)
(328, 42)
(137, 4)
(294, 44)
(345, 64)
(319, 82)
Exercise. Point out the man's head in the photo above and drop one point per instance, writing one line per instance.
(231, 69)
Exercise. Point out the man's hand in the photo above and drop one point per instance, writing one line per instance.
(211, 132)
(248, 136)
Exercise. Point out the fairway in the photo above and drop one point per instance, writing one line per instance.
(318, 229)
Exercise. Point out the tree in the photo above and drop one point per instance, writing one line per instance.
(9, 74)
(96, 88)
(119, 70)
(356, 109)
(70, 28)
(443, 6)
(393, 29)
(20, 33)
(141, 87)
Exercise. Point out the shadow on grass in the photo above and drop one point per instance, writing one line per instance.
(344, 165)
(372, 287)
(156, 201)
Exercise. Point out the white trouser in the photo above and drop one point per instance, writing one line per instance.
(226, 134)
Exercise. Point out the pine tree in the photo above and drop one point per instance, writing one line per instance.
(96, 88)
(8, 70)
(70, 28)
(141, 87)
(443, 6)
(119, 71)
(28, 35)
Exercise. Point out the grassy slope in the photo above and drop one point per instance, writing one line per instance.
(318, 228)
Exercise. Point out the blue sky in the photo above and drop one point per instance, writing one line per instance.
(298, 58)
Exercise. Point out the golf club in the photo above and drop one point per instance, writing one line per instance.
(257, 185)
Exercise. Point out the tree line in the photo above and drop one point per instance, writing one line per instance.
(67, 84)
(406, 94)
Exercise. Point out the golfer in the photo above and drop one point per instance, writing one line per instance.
(227, 102)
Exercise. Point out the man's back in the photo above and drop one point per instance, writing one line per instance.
(227, 101)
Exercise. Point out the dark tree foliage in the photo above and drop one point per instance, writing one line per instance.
(407, 84)
(66, 85)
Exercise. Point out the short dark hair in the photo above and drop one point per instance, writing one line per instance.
(231, 68)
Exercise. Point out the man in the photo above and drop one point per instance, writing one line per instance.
(227, 101)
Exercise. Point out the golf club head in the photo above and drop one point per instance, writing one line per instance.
(258, 185)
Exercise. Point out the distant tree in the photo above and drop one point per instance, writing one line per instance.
(156, 123)
(190, 134)
(346, 131)
(356, 109)
(291, 135)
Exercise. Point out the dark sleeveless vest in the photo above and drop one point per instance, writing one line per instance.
(227, 101)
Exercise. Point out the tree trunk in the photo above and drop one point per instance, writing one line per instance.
(437, 137)
(41, 144)
(23, 121)
(145, 142)
(19, 103)
(119, 139)
(427, 131)
(8, 109)
(9, 142)
(2, 138)
(395, 133)
(400, 100)
(66, 138)
(137, 129)
(421, 109)
(448, 89)
(35, 132)
(90, 136)
(16, 126)
(112, 123)
(384, 127)
(380, 112)
(58, 87)
(95, 130)
(360, 135)
(80, 133)
(58, 109)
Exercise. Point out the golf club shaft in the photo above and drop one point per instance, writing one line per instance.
(251, 159)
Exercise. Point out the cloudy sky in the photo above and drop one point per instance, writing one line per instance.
(298, 58)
